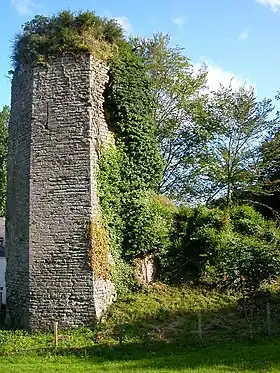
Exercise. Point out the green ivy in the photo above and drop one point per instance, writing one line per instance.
(130, 104)
(109, 185)
(139, 221)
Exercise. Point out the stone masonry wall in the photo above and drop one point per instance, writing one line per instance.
(17, 212)
(65, 131)
(104, 290)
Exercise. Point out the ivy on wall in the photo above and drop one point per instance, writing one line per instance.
(109, 186)
(130, 104)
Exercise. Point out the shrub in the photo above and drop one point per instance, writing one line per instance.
(152, 219)
(194, 239)
(235, 249)
(247, 221)
(45, 38)
(244, 263)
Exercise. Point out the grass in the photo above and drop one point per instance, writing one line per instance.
(257, 356)
(170, 314)
(158, 327)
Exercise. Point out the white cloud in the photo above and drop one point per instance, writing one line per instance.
(217, 77)
(179, 21)
(24, 7)
(244, 34)
(123, 21)
(274, 5)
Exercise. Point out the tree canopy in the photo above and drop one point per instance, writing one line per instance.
(230, 162)
(177, 91)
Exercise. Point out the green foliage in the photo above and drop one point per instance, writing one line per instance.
(4, 119)
(45, 38)
(229, 163)
(235, 249)
(268, 201)
(248, 253)
(244, 262)
(130, 107)
(109, 186)
(271, 156)
(153, 218)
(247, 221)
(194, 236)
(150, 221)
(177, 92)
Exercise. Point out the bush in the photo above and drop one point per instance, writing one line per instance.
(235, 249)
(244, 263)
(194, 239)
(152, 223)
(45, 38)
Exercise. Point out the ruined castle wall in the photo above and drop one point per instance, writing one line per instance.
(101, 136)
(66, 127)
(17, 221)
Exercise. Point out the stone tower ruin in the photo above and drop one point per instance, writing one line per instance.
(56, 129)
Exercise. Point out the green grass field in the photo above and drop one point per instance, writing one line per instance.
(258, 356)
(158, 329)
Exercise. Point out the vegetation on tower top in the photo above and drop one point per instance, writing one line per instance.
(44, 38)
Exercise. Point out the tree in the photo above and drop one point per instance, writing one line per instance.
(271, 156)
(268, 202)
(230, 164)
(177, 91)
(4, 119)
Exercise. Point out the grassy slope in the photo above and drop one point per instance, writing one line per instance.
(159, 330)
(170, 314)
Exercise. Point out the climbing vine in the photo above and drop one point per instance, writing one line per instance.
(130, 104)
(109, 185)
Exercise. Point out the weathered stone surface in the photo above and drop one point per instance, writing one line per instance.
(57, 127)
(145, 269)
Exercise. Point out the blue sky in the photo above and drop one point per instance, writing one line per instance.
(235, 37)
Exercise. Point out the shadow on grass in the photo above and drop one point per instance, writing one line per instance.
(168, 341)
(181, 326)
(256, 355)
